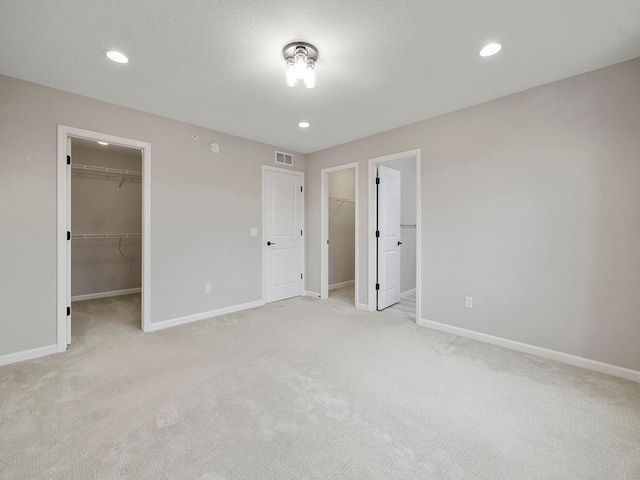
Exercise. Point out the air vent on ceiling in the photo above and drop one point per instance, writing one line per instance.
(284, 158)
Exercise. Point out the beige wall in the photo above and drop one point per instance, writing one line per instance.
(530, 204)
(202, 207)
(100, 205)
(342, 224)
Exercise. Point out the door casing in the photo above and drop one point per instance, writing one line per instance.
(324, 229)
(66, 133)
(371, 232)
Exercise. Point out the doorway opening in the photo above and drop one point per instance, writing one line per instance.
(394, 242)
(103, 227)
(339, 225)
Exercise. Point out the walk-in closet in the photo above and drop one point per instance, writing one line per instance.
(341, 220)
(106, 238)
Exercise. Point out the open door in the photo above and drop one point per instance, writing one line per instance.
(388, 237)
(68, 246)
(283, 220)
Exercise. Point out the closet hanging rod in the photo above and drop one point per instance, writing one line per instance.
(340, 199)
(114, 171)
(105, 235)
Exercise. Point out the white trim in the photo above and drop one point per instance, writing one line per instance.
(567, 358)
(28, 355)
(362, 306)
(324, 228)
(407, 293)
(63, 188)
(266, 168)
(203, 316)
(113, 293)
(372, 221)
(309, 293)
(341, 284)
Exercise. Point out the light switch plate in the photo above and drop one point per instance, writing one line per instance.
(253, 232)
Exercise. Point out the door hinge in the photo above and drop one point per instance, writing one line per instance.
(377, 286)
(300, 189)
(377, 233)
(68, 311)
(300, 276)
(300, 232)
(68, 159)
(68, 235)
(377, 180)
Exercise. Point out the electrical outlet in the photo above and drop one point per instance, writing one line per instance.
(253, 231)
(468, 302)
(207, 288)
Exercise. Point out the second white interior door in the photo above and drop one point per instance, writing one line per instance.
(283, 235)
(388, 237)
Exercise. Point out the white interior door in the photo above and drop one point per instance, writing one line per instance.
(388, 237)
(283, 235)
(69, 193)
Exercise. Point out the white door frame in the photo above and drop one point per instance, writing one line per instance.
(373, 163)
(324, 228)
(265, 169)
(66, 133)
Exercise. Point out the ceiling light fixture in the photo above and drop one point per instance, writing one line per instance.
(103, 143)
(301, 61)
(116, 56)
(490, 49)
(304, 124)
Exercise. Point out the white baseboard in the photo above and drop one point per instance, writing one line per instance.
(362, 306)
(309, 293)
(114, 293)
(407, 293)
(341, 284)
(202, 316)
(567, 358)
(28, 355)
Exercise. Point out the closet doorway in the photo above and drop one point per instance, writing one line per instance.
(395, 235)
(339, 222)
(103, 222)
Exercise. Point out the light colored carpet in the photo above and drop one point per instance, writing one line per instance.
(306, 389)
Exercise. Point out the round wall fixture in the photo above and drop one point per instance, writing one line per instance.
(195, 136)
(215, 148)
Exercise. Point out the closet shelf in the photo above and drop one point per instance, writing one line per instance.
(105, 170)
(105, 235)
(340, 199)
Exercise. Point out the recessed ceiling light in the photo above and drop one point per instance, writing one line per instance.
(103, 143)
(490, 49)
(116, 56)
(304, 124)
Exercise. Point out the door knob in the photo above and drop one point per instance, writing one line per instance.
(399, 243)
(270, 243)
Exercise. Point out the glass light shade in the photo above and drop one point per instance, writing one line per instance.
(300, 65)
(292, 77)
(310, 78)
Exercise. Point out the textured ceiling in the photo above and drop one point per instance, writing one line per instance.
(382, 64)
